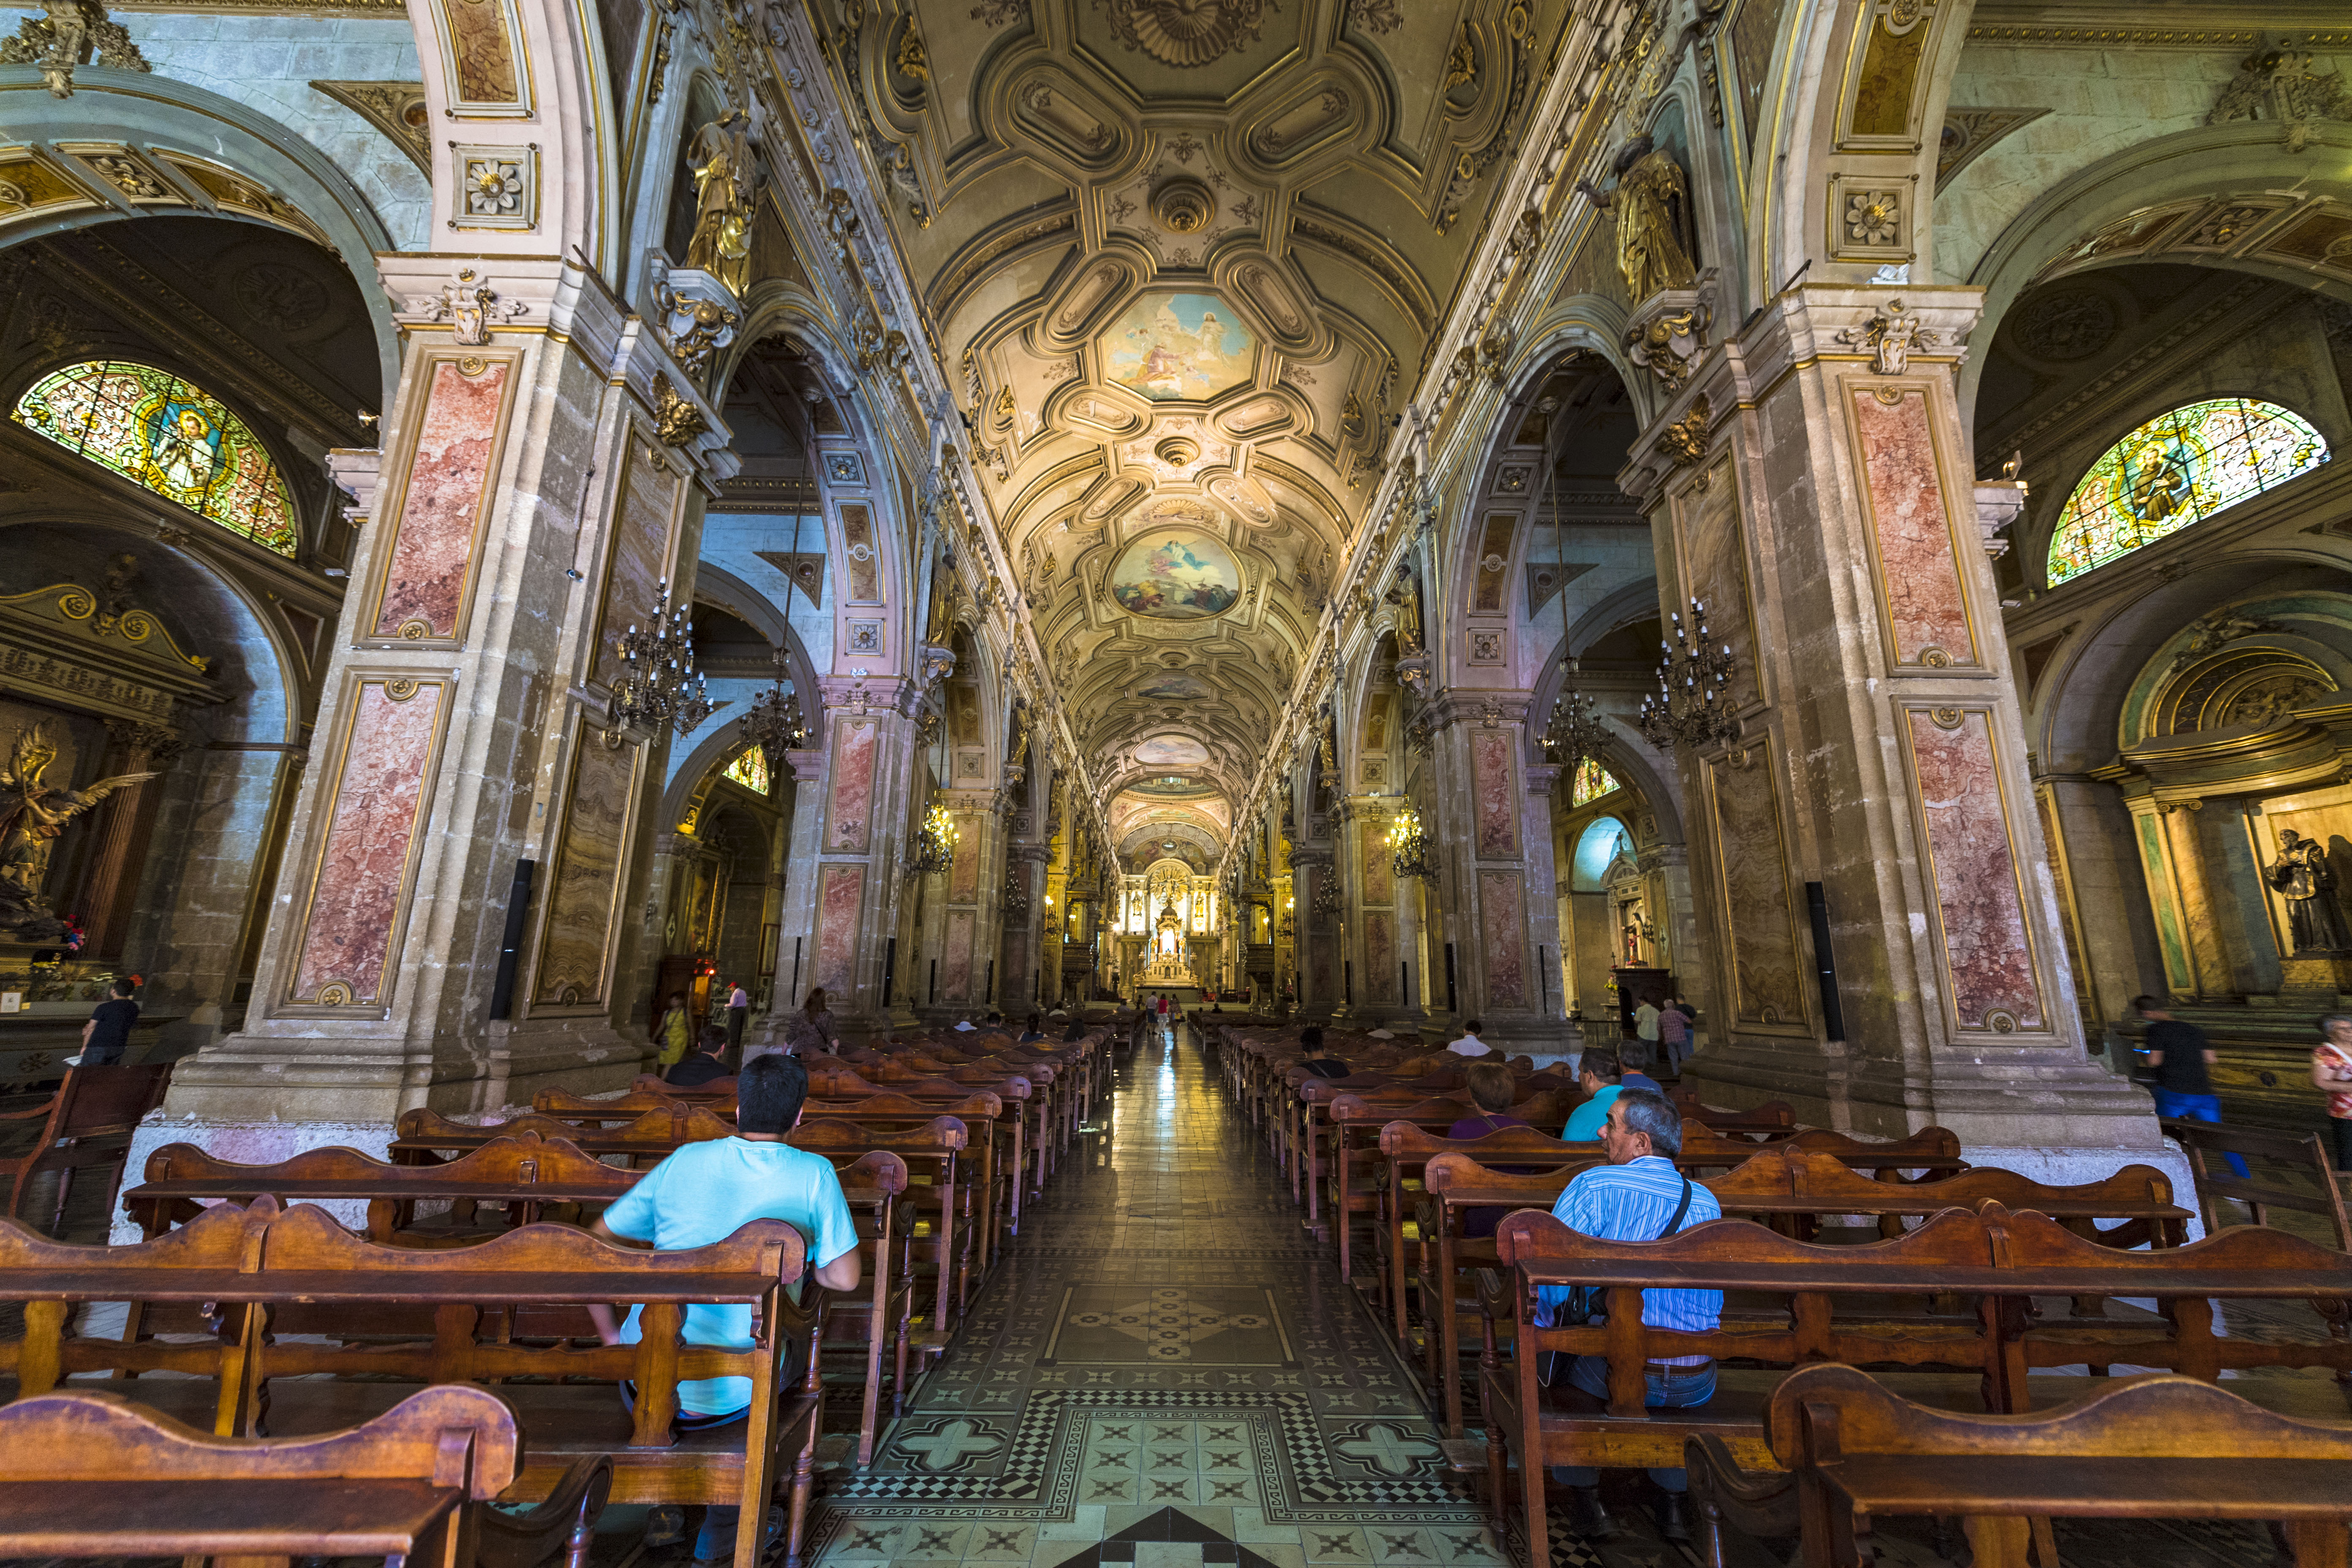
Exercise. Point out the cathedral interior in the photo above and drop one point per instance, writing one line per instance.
(1377, 513)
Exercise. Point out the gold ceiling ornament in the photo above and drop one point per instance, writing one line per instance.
(1187, 32)
(913, 63)
(1183, 206)
(675, 418)
(1686, 439)
(395, 107)
(71, 33)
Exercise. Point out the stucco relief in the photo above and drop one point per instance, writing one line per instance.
(1987, 952)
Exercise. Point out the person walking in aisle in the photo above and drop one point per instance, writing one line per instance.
(739, 1008)
(2178, 1051)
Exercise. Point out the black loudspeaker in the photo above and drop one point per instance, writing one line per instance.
(510, 944)
(1452, 1005)
(792, 997)
(992, 981)
(1404, 975)
(889, 965)
(1347, 981)
(1817, 904)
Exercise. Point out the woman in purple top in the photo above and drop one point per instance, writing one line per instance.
(1491, 1086)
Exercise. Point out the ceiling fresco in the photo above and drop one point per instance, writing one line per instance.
(1183, 258)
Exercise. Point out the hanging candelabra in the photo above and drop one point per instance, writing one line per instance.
(774, 723)
(935, 844)
(1694, 673)
(1409, 846)
(1016, 889)
(1576, 730)
(658, 688)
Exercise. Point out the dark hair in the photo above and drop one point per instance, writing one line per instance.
(815, 1003)
(677, 998)
(1076, 1031)
(769, 1092)
(1600, 1061)
(1646, 1110)
(714, 1038)
(125, 986)
(2143, 1003)
(1491, 1085)
(1471, 1027)
(1035, 1020)
(1311, 1036)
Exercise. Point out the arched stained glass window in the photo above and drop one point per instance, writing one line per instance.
(750, 771)
(1593, 782)
(2180, 467)
(175, 439)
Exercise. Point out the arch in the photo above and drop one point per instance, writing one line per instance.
(2176, 470)
(252, 169)
(169, 437)
(1596, 849)
(722, 588)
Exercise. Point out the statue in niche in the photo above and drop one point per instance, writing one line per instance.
(721, 244)
(2302, 873)
(1649, 207)
(32, 811)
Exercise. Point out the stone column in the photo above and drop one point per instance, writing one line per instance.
(1500, 911)
(1318, 894)
(967, 894)
(857, 873)
(1018, 981)
(796, 917)
(1543, 905)
(1810, 484)
(542, 468)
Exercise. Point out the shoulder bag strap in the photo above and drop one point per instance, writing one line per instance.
(1681, 1209)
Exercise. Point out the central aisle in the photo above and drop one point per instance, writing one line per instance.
(1166, 1356)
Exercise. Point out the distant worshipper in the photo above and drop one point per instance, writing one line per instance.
(706, 1192)
(705, 1064)
(1033, 1030)
(739, 1008)
(675, 1032)
(2331, 1072)
(812, 1031)
(1645, 1029)
(1602, 1078)
(1310, 1040)
(965, 1026)
(1491, 1086)
(2179, 1055)
(1470, 1044)
(1637, 1197)
(1675, 1020)
(108, 1034)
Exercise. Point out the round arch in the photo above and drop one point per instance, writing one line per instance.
(1595, 851)
(722, 588)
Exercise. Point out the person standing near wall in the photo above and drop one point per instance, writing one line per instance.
(2180, 1055)
(739, 1008)
(674, 1031)
(2331, 1070)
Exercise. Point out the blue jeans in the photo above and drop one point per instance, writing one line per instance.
(2196, 1108)
(1671, 1388)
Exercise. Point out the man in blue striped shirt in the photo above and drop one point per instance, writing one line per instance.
(1639, 1197)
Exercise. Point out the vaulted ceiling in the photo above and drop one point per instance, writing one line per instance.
(1182, 255)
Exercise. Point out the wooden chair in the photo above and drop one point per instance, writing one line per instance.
(92, 1475)
(2158, 1446)
(2286, 1161)
(91, 1104)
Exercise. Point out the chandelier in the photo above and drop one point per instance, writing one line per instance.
(1410, 844)
(774, 723)
(658, 688)
(1016, 891)
(1326, 892)
(1576, 730)
(1693, 674)
(935, 846)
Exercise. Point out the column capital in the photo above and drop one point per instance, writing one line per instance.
(1490, 710)
(871, 693)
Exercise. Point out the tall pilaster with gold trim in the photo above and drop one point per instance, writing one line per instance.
(541, 473)
(1810, 485)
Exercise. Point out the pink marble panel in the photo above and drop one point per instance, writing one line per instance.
(441, 508)
(955, 981)
(632, 574)
(379, 808)
(849, 824)
(858, 548)
(1926, 612)
(963, 880)
(1379, 956)
(581, 923)
(1322, 983)
(1499, 802)
(1503, 928)
(1985, 946)
(1380, 862)
(1760, 920)
(840, 895)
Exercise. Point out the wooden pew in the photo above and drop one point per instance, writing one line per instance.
(2267, 1184)
(79, 1126)
(939, 1196)
(93, 1475)
(992, 1154)
(421, 1136)
(528, 1173)
(508, 1310)
(1798, 1287)
(2158, 1446)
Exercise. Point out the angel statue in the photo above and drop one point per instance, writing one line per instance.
(1648, 205)
(722, 198)
(32, 815)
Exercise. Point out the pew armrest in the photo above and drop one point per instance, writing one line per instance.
(565, 1521)
(1760, 1504)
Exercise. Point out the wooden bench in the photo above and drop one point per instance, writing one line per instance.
(77, 1128)
(93, 1475)
(317, 1328)
(2287, 1160)
(421, 1136)
(942, 1212)
(2158, 1446)
(526, 1174)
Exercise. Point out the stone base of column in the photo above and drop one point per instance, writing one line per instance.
(1991, 1094)
(339, 1080)
(249, 1142)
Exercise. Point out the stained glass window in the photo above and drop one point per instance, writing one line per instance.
(1593, 782)
(2180, 467)
(175, 439)
(750, 771)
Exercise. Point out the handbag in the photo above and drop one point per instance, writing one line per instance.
(1586, 1302)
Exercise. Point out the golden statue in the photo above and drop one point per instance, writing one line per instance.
(1647, 203)
(720, 244)
(33, 812)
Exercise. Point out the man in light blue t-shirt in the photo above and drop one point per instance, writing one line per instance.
(1597, 1073)
(705, 1193)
